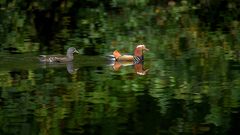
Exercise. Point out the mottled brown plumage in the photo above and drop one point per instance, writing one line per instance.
(59, 58)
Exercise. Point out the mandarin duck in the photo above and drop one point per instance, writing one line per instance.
(59, 58)
(131, 59)
(128, 60)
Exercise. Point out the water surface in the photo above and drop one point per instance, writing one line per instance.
(174, 96)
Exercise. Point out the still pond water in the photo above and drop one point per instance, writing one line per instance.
(87, 96)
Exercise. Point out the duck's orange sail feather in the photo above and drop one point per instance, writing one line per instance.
(116, 54)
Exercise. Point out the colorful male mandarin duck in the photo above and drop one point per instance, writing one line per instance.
(128, 60)
(133, 59)
(59, 58)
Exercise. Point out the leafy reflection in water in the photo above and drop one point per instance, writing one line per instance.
(50, 101)
(196, 97)
(174, 97)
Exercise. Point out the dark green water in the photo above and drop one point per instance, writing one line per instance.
(176, 96)
(188, 84)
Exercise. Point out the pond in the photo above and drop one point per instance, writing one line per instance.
(88, 96)
(188, 83)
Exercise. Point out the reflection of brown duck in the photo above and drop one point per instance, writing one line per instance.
(134, 59)
(70, 68)
(59, 58)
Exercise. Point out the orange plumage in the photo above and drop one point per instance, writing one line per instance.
(138, 52)
(116, 54)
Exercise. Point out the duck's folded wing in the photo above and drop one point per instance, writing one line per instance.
(126, 58)
(50, 58)
(61, 59)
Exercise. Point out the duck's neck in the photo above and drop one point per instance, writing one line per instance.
(138, 52)
(70, 56)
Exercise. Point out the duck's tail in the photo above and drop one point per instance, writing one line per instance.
(116, 54)
(110, 57)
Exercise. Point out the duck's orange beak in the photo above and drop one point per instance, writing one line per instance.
(76, 51)
(145, 49)
(142, 47)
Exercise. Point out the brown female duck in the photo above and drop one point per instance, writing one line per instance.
(59, 58)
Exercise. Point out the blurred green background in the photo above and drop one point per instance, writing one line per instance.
(98, 26)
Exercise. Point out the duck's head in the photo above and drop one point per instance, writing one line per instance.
(139, 50)
(72, 50)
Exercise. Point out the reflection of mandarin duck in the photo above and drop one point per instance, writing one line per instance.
(139, 69)
(134, 59)
(59, 58)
